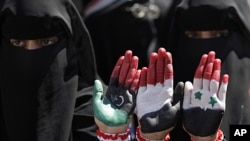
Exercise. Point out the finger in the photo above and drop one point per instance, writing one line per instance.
(216, 70)
(116, 71)
(97, 99)
(188, 88)
(132, 71)
(143, 78)
(214, 84)
(125, 67)
(136, 81)
(207, 74)
(151, 69)
(178, 93)
(169, 73)
(223, 88)
(199, 72)
(160, 65)
(209, 65)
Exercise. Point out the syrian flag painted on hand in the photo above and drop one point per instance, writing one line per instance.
(204, 101)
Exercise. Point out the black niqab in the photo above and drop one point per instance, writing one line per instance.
(56, 90)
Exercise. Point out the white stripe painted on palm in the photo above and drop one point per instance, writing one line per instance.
(151, 98)
(208, 89)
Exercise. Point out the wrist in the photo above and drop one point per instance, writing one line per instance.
(113, 136)
(151, 137)
(111, 129)
(216, 137)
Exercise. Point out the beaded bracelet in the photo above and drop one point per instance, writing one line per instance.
(113, 137)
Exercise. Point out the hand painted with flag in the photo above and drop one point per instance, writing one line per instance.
(204, 101)
(112, 111)
(157, 107)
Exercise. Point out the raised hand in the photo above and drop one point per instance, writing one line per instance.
(204, 101)
(112, 111)
(154, 103)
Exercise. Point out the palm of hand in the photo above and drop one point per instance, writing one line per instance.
(203, 115)
(155, 109)
(115, 107)
(106, 111)
(204, 101)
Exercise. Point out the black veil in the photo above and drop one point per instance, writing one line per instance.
(63, 100)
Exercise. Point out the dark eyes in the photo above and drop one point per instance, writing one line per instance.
(206, 34)
(17, 43)
(34, 44)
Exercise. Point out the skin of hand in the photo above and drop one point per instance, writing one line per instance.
(156, 112)
(113, 110)
(204, 101)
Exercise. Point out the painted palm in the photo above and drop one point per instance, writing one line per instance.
(204, 100)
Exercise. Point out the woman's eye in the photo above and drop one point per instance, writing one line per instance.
(222, 34)
(190, 34)
(17, 43)
(48, 41)
(207, 34)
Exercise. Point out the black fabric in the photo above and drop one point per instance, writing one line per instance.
(1, 3)
(233, 50)
(31, 27)
(191, 49)
(164, 21)
(58, 105)
(114, 29)
(20, 80)
(217, 19)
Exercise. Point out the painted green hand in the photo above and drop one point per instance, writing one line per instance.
(114, 108)
(105, 111)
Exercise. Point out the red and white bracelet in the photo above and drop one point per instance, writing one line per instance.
(113, 137)
(126, 136)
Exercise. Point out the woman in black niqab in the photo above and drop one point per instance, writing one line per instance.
(46, 93)
(232, 47)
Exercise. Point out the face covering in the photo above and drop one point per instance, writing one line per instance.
(22, 72)
(189, 50)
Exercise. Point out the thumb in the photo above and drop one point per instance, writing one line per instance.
(187, 95)
(98, 91)
(178, 93)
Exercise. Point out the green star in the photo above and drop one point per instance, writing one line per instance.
(212, 101)
(198, 95)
